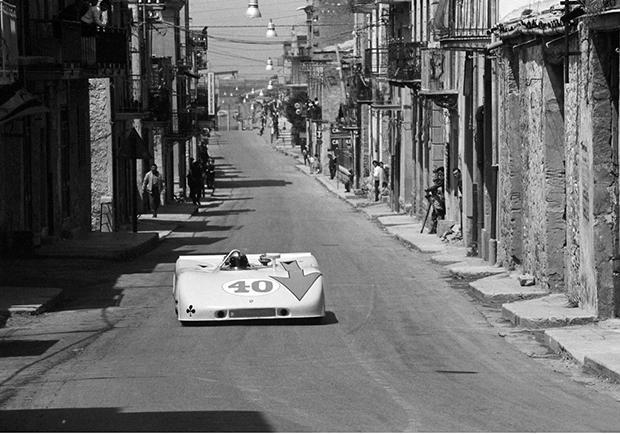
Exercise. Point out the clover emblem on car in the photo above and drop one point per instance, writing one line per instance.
(190, 310)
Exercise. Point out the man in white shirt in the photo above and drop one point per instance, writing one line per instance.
(377, 175)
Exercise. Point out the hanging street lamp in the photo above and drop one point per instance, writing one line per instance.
(253, 11)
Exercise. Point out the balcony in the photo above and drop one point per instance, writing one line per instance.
(160, 106)
(57, 49)
(376, 62)
(188, 123)
(362, 6)
(462, 25)
(130, 102)
(404, 62)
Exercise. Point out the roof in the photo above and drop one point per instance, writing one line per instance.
(542, 17)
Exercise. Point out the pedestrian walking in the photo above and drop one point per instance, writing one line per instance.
(152, 186)
(304, 152)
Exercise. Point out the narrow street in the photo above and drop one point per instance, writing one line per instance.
(400, 349)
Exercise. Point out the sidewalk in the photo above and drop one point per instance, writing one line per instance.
(117, 246)
(567, 330)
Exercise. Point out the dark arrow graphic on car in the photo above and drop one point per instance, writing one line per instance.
(297, 282)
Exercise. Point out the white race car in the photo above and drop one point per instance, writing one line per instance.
(242, 287)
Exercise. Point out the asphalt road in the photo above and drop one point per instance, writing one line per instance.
(400, 350)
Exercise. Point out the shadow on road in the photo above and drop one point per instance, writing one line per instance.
(223, 183)
(328, 319)
(114, 420)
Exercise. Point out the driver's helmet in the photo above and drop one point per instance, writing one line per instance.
(238, 261)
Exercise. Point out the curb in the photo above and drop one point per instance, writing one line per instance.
(39, 299)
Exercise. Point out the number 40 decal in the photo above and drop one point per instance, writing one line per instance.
(250, 287)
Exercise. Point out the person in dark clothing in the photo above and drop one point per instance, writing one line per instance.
(194, 181)
(333, 165)
(210, 175)
(435, 194)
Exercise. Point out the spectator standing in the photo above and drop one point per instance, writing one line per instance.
(316, 164)
(377, 176)
(456, 172)
(194, 180)
(333, 164)
(152, 186)
(385, 172)
(91, 19)
(210, 175)
(435, 194)
(304, 152)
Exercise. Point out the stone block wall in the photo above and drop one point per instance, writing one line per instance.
(509, 185)
(102, 186)
(592, 183)
(531, 184)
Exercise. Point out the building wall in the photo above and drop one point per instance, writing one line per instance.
(510, 208)
(69, 121)
(407, 153)
(532, 172)
(102, 187)
(591, 138)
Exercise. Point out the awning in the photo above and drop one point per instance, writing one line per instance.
(134, 147)
(16, 102)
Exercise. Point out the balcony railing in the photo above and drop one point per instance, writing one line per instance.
(131, 101)
(61, 43)
(375, 61)
(464, 20)
(404, 62)
(160, 107)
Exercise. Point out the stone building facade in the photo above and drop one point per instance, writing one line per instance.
(558, 153)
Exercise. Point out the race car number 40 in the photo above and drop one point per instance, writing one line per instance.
(250, 287)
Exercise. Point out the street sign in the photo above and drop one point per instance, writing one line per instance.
(210, 93)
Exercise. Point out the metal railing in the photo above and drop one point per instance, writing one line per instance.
(131, 96)
(160, 107)
(61, 42)
(376, 61)
(404, 62)
(462, 19)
